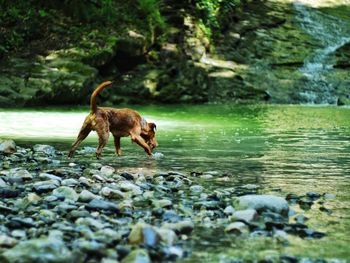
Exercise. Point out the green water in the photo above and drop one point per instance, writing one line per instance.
(281, 149)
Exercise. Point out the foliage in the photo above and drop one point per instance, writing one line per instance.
(210, 10)
(155, 21)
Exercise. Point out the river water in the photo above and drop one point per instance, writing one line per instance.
(279, 149)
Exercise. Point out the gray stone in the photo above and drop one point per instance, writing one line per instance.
(112, 193)
(90, 222)
(237, 228)
(48, 176)
(229, 210)
(8, 146)
(248, 215)
(46, 249)
(137, 256)
(130, 187)
(6, 241)
(69, 182)
(196, 189)
(263, 203)
(2, 183)
(86, 196)
(20, 174)
(107, 170)
(143, 233)
(97, 204)
(45, 186)
(167, 236)
(67, 192)
(46, 149)
(88, 246)
(162, 203)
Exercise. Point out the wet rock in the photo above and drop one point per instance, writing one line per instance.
(163, 203)
(8, 147)
(47, 216)
(88, 246)
(86, 196)
(20, 234)
(19, 222)
(281, 236)
(67, 192)
(90, 222)
(107, 171)
(6, 241)
(112, 193)
(44, 149)
(173, 253)
(85, 181)
(98, 204)
(182, 227)
(306, 232)
(263, 203)
(45, 186)
(167, 236)
(49, 249)
(145, 234)
(301, 219)
(8, 193)
(137, 256)
(108, 236)
(237, 228)
(3, 183)
(248, 215)
(313, 195)
(19, 175)
(69, 182)
(305, 203)
(127, 176)
(229, 210)
(48, 176)
(128, 186)
(196, 189)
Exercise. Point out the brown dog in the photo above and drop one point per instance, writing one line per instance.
(120, 122)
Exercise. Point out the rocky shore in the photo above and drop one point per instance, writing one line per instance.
(53, 210)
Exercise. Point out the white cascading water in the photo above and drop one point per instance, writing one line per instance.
(332, 33)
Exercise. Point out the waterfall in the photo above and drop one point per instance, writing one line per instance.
(331, 33)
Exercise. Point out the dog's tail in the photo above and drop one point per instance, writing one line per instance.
(93, 106)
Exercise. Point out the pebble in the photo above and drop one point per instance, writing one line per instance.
(112, 193)
(86, 196)
(8, 146)
(67, 192)
(237, 228)
(98, 204)
(91, 212)
(249, 215)
(264, 203)
(107, 171)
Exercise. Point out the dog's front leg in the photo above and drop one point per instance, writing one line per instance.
(138, 139)
(118, 151)
(84, 132)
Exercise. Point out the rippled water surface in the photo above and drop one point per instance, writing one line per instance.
(280, 149)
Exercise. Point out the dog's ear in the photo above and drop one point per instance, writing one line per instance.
(152, 126)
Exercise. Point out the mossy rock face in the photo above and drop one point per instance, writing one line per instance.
(41, 81)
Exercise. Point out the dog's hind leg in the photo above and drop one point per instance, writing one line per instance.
(103, 135)
(84, 132)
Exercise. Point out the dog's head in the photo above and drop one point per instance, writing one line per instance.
(149, 135)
